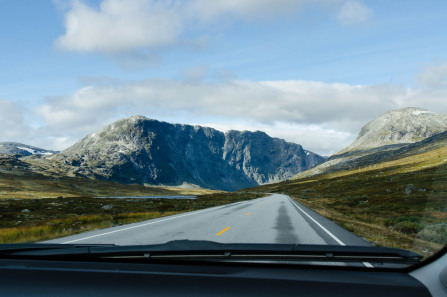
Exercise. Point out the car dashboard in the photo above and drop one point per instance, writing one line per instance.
(20, 277)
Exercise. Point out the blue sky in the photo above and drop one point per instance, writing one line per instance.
(312, 72)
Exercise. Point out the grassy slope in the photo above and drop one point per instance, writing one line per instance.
(41, 186)
(399, 203)
(404, 154)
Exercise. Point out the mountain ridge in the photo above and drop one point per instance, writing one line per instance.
(387, 136)
(142, 150)
(15, 148)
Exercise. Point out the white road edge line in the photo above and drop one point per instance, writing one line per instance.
(318, 224)
(367, 264)
(133, 227)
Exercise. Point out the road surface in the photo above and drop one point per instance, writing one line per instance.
(272, 219)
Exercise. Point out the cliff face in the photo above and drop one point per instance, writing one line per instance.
(140, 150)
(265, 159)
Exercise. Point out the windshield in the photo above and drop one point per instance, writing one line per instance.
(298, 131)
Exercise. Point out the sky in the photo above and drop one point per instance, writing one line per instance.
(310, 72)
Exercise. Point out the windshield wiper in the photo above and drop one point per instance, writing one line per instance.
(39, 249)
(213, 251)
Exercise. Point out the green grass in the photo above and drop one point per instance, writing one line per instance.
(31, 220)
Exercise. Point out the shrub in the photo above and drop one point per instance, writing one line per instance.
(405, 224)
(395, 220)
(434, 233)
(409, 227)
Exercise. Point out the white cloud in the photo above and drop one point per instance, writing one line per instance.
(354, 12)
(12, 121)
(17, 126)
(195, 74)
(119, 26)
(209, 11)
(434, 76)
(322, 117)
(141, 27)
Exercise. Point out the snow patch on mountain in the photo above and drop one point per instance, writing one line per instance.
(14, 148)
(419, 112)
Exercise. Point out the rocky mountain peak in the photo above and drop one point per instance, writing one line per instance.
(141, 150)
(401, 126)
(135, 118)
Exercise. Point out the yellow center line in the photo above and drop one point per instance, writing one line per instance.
(248, 214)
(224, 230)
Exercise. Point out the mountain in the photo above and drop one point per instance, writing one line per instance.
(142, 150)
(384, 138)
(401, 126)
(14, 148)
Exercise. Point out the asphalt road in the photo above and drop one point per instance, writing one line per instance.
(272, 219)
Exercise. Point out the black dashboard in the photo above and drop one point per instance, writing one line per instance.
(74, 278)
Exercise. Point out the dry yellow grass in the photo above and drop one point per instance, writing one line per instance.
(51, 229)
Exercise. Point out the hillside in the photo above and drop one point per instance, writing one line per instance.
(385, 137)
(397, 127)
